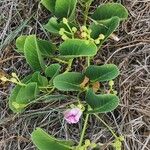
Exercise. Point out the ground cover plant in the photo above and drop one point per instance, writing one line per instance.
(77, 40)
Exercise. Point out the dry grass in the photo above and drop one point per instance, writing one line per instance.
(131, 54)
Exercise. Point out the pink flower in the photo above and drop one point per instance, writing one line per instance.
(72, 115)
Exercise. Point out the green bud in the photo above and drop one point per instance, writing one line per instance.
(14, 75)
(111, 83)
(93, 145)
(87, 142)
(115, 92)
(74, 29)
(83, 28)
(64, 37)
(101, 36)
(121, 138)
(97, 41)
(61, 31)
(65, 21)
(4, 79)
(84, 34)
(14, 80)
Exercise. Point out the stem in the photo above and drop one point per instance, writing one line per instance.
(88, 61)
(113, 133)
(69, 65)
(86, 11)
(83, 130)
(70, 30)
(61, 61)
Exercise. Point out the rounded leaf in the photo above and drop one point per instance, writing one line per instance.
(102, 73)
(65, 8)
(109, 10)
(20, 43)
(106, 28)
(33, 54)
(49, 4)
(101, 103)
(77, 48)
(44, 141)
(68, 81)
(21, 96)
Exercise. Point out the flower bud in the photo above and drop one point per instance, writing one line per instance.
(111, 83)
(84, 34)
(65, 21)
(4, 79)
(97, 41)
(101, 36)
(64, 37)
(14, 80)
(93, 145)
(83, 28)
(87, 142)
(89, 31)
(74, 29)
(61, 31)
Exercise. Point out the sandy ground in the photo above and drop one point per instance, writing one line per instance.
(131, 53)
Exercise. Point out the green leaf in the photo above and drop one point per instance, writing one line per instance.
(20, 43)
(68, 81)
(101, 103)
(49, 4)
(44, 141)
(106, 28)
(39, 79)
(102, 73)
(52, 70)
(65, 8)
(77, 48)
(32, 53)
(21, 96)
(53, 26)
(45, 47)
(109, 10)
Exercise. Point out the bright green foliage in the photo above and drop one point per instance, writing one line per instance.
(52, 70)
(45, 47)
(39, 79)
(21, 96)
(52, 26)
(33, 54)
(109, 10)
(77, 48)
(101, 103)
(65, 8)
(79, 40)
(20, 43)
(106, 28)
(61, 8)
(102, 73)
(68, 81)
(43, 141)
(49, 4)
